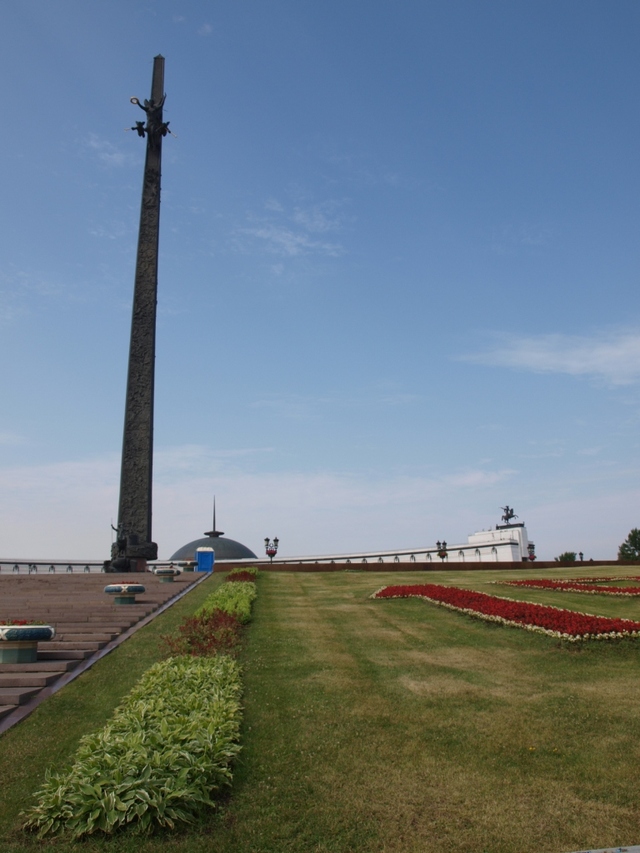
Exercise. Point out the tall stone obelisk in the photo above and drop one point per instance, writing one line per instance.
(133, 546)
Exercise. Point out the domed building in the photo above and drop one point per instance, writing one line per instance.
(225, 549)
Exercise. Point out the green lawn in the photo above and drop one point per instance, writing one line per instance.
(401, 726)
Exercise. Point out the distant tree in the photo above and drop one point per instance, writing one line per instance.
(630, 548)
(567, 557)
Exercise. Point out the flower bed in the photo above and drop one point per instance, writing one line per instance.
(566, 624)
(234, 598)
(591, 586)
(167, 749)
(204, 634)
(245, 573)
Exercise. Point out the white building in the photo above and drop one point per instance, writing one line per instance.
(507, 543)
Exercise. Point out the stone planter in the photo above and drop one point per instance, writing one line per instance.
(19, 643)
(166, 575)
(124, 593)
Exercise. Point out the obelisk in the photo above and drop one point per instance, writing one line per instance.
(134, 546)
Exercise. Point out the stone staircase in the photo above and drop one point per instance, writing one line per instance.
(85, 619)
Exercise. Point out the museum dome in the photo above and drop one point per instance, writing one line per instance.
(225, 549)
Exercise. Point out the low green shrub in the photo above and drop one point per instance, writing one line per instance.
(243, 570)
(234, 598)
(237, 576)
(167, 749)
(205, 633)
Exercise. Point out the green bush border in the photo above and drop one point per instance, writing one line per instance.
(156, 763)
(234, 598)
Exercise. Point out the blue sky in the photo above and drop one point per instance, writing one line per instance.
(398, 282)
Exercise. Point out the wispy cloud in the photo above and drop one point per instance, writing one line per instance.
(205, 30)
(295, 406)
(109, 154)
(313, 512)
(11, 438)
(18, 289)
(282, 240)
(110, 231)
(302, 407)
(510, 238)
(612, 357)
(290, 233)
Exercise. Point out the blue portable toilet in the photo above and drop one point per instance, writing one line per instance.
(206, 557)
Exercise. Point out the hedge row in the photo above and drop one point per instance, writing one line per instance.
(234, 598)
(168, 747)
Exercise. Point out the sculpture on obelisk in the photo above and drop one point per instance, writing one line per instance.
(134, 545)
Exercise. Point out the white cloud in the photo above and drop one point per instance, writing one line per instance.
(511, 238)
(293, 233)
(301, 406)
(282, 240)
(18, 287)
(11, 438)
(111, 231)
(612, 357)
(64, 510)
(107, 153)
(205, 30)
(315, 220)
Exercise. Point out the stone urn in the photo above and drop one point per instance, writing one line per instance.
(19, 643)
(124, 593)
(166, 574)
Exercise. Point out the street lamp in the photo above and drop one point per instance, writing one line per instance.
(271, 547)
(442, 549)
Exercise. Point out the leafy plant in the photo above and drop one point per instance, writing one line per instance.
(241, 575)
(566, 557)
(167, 749)
(234, 598)
(204, 634)
(243, 570)
(630, 548)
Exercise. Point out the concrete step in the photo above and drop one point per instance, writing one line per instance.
(63, 654)
(111, 627)
(28, 679)
(40, 666)
(17, 695)
(6, 709)
(70, 645)
(64, 636)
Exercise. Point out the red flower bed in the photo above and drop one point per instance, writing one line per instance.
(576, 586)
(534, 617)
(204, 634)
(241, 576)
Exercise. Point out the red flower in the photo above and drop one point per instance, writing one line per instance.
(536, 617)
(581, 585)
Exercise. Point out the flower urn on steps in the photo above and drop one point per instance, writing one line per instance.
(124, 593)
(19, 643)
(166, 574)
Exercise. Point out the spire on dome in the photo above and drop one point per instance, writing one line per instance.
(214, 532)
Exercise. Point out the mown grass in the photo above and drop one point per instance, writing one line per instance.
(401, 726)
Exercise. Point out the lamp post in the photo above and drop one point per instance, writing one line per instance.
(271, 547)
(442, 550)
